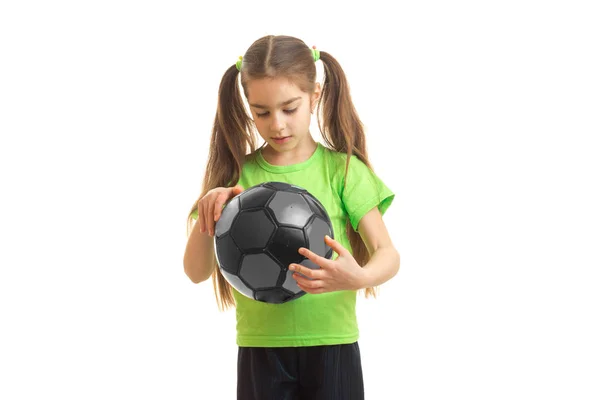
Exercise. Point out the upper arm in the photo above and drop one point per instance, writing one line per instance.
(361, 190)
(373, 231)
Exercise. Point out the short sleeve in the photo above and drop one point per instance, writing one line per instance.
(362, 191)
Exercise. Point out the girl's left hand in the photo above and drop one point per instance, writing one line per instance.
(343, 273)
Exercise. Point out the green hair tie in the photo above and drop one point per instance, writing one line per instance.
(316, 53)
(238, 64)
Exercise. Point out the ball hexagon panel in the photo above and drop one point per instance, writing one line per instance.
(285, 244)
(316, 231)
(275, 295)
(260, 270)
(228, 254)
(255, 197)
(316, 206)
(290, 209)
(227, 216)
(237, 283)
(290, 283)
(252, 230)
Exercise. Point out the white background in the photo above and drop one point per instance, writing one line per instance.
(483, 117)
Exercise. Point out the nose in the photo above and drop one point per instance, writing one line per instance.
(277, 123)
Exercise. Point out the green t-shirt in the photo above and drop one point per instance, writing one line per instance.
(321, 319)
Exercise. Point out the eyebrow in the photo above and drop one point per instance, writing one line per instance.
(279, 105)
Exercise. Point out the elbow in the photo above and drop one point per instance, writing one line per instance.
(193, 274)
(396, 262)
(191, 277)
(195, 278)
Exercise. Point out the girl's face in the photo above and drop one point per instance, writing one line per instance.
(281, 112)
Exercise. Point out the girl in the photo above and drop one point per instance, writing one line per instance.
(306, 348)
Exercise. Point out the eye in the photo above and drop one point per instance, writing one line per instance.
(291, 111)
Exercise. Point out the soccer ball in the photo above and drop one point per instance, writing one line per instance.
(258, 236)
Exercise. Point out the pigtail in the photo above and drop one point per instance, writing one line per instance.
(343, 131)
(232, 135)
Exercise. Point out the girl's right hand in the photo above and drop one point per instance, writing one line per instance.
(211, 205)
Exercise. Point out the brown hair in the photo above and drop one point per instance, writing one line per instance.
(233, 135)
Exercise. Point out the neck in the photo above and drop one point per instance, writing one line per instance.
(300, 153)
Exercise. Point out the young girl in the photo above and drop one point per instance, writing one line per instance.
(306, 348)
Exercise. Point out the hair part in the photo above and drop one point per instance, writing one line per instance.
(234, 136)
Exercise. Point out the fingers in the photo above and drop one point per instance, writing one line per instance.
(223, 197)
(207, 216)
(211, 206)
(310, 286)
(237, 189)
(215, 206)
(200, 219)
(317, 259)
(218, 206)
(335, 245)
(308, 272)
(305, 283)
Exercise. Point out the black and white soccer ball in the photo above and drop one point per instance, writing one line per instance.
(258, 236)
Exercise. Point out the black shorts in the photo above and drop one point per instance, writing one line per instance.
(331, 372)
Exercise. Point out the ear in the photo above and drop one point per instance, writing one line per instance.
(315, 97)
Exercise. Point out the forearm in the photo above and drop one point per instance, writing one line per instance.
(383, 265)
(199, 258)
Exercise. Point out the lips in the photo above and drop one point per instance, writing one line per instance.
(281, 140)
